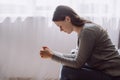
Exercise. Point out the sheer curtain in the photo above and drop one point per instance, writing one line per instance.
(25, 26)
(119, 38)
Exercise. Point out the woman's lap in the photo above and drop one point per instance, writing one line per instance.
(68, 73)
(116, 78)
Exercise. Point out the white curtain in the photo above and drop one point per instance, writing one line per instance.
(25, 26)
(119, 38)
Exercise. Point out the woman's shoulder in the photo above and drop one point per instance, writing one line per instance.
(93, 27)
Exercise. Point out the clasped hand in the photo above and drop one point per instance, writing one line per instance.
(45, 52)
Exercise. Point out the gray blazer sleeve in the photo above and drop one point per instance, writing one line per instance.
(71, 55)
(86, 43)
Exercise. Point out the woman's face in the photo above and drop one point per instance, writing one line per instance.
(65, 25)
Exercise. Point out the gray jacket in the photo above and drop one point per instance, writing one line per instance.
(94, 48)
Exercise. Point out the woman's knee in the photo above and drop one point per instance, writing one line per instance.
(65, 70)
(68, 73)
(65, 73)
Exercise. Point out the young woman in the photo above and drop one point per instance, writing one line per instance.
(96, 57)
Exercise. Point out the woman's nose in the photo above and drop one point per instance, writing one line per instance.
(61, 29)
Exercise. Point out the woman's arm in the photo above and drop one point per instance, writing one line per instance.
(45, 52)
(72, 54)
(86, 43)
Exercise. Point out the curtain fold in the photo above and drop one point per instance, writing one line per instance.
(119, 37)
(119, 41)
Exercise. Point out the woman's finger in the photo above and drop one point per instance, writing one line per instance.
(45, 47)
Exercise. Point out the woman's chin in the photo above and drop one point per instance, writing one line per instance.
(68, 32)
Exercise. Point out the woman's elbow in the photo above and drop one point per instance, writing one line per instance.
(77, 65)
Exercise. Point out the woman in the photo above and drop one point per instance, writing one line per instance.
(96, 57)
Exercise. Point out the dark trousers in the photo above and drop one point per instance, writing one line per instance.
(84, 73)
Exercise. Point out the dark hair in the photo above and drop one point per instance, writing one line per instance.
(62, 11)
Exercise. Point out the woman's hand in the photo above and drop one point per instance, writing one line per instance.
(45, 52)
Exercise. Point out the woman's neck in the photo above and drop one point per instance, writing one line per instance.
(77, 29)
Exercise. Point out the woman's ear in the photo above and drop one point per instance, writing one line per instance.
(67, 18)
